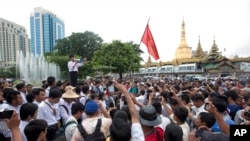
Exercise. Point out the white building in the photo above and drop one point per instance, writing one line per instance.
(13, 38)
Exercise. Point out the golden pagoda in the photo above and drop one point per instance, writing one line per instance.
(183, 51)
(199, 53)
(211, 62)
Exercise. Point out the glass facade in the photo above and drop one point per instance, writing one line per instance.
(46, 28)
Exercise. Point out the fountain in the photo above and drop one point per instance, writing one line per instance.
(33, 68)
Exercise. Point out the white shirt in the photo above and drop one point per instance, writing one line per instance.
(63, 113)
(164, 123)
(137, 133)
(22, 126)
(10, 107)
(186, 130)
(47, 91)
(46, 113)
(139, 99)
(83, 98)
(23, 97)
(71, 66)
(36, 102)
(198, 110)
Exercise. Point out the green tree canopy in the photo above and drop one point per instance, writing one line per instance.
(78, 44)
(81, 44)
(121, 57)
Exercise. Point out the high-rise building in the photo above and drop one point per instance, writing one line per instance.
(45, 29)
(13, 38)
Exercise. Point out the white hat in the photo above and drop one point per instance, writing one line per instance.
(69, 93)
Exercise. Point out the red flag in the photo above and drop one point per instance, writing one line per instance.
(148, 40)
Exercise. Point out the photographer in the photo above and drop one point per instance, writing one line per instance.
(204, 133)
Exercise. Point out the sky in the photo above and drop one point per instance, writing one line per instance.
(226, 20)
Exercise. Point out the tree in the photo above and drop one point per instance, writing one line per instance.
(7, 72)
(81, 44)
(121, 57)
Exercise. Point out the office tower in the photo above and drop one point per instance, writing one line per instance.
(13, 38)
(45, 29)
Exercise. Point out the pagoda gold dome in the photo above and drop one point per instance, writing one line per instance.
(183, 51)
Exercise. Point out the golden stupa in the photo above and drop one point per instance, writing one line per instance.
(183, 51)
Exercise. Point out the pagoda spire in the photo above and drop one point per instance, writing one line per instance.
(183, 51)
(183, 42)
(199, 51)
(149, 61)
(214, 52)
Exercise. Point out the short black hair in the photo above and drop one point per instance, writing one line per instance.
(181, 113)
(208, 118)
(71, 55)
(77, 107)
(55, 93)
(34, 128)
(157, 106)
(120, 130)
(121, 114)
(51, 80)
(231, 93)
(12, 95)
(30, 97)
(20, 86)
(28, 109)
(36, 91)
(197, 97)
(220, 102)
(173, 132)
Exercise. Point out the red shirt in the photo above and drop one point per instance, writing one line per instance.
(157, 135)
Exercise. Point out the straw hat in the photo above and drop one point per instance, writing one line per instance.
(69, 93)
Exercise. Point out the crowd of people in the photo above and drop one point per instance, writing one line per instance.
(124, 110)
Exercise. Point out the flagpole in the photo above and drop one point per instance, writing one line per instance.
(144, 31)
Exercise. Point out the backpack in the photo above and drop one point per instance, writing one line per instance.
(68, 123)
(97, 135)
(61, 120)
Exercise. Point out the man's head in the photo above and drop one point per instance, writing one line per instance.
(55, 95)
(120, 130)
(29, 88)
(198, 100)
(205, 119)
(149, 117)
(91, 108)
(220, 102)
(21, 87)
(28, 111)
(77, 109)
(72, 57)
(51, 80)
(173, 132)
(13, 97)
(39, 94)
(36, 130)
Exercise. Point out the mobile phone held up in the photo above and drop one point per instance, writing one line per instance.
(206, 106)
(6, 114)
